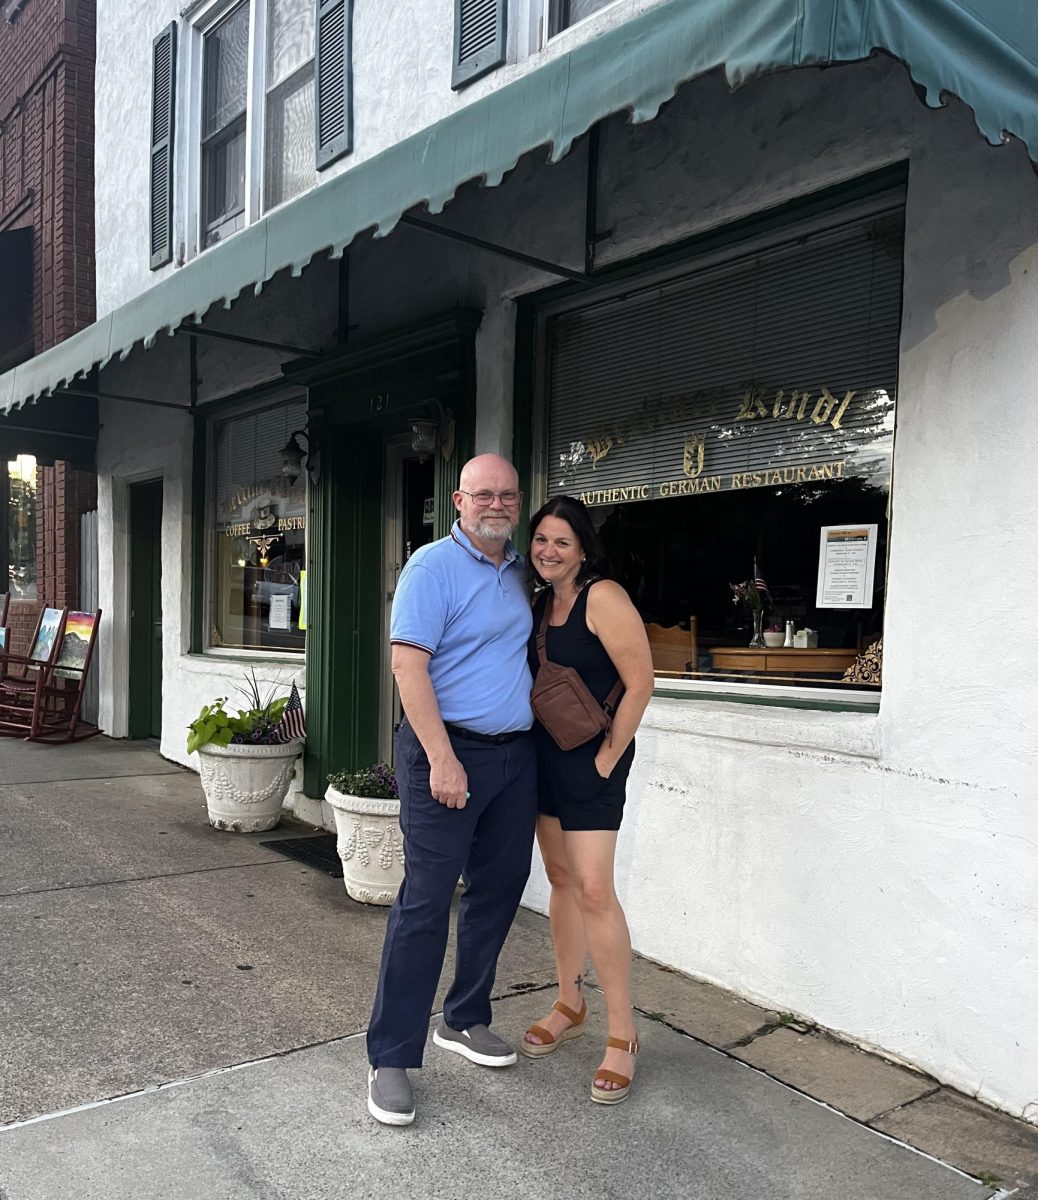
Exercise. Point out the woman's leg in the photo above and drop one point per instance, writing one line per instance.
(590, 854)
(567, 926)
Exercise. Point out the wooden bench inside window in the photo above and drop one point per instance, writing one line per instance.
(674, 650)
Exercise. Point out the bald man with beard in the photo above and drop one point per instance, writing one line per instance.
(467, 777)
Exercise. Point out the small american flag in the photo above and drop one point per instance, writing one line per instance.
(758, 581)
(292, 724)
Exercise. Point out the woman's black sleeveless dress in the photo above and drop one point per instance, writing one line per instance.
(570, 787)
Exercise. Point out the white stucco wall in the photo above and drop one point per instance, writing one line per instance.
(402, 57)
(125, 457)
(875, 873)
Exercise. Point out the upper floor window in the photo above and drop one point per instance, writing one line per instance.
(564, 13)
(268, 106)
(288, 147)
(275, 148)
(224, 93)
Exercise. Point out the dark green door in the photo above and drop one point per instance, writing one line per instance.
(145, 610)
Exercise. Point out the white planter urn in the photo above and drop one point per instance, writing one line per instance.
(245, 786)
(370, 845)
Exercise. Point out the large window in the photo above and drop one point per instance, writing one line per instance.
(21, 527)
(735, 427)
(258, 533)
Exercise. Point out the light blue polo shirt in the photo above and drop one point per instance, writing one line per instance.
(474, 619)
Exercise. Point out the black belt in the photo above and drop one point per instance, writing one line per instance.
(496, 739)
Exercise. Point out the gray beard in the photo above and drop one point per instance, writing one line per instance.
(491, 532)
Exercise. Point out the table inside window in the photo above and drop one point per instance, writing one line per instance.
(782, 660)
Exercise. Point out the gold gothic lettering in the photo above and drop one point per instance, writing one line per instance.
(599, 447)
(752, 406)
(649, 414)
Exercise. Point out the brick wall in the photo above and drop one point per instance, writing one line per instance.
(47, 184)
(47, 156)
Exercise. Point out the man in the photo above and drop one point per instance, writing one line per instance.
(467, 777)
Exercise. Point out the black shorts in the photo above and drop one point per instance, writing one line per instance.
(570, 788)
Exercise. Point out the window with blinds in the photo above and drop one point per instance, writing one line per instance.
(730, 427)
(258, 532)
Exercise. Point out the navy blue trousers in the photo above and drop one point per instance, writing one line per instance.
(489, 843)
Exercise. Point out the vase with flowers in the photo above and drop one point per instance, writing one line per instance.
(246, 758)
(750, 595)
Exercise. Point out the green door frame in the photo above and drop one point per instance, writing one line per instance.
(358, 397)
(145, 682)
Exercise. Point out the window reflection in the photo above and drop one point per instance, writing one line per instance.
(21, 527)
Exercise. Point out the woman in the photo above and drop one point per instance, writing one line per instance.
(593, 627)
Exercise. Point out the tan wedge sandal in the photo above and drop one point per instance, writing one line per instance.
(623, 1082)
(549, 1043)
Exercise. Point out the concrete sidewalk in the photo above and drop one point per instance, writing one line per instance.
(183, 1017)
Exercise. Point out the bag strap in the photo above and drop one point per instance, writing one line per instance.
(610, 702)
(542, 654)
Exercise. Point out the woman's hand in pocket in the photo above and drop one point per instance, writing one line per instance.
(604, 765)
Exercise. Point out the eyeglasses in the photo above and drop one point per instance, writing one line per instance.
(484, 499)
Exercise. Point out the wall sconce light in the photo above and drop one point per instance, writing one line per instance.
(424, 437)
(428, 435)
(294, 458)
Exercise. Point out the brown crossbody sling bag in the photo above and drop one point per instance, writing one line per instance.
(562, 702)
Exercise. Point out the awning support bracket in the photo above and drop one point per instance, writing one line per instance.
(481, 244)
(201, 331)
(184, 408)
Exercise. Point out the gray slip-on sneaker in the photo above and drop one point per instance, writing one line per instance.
(476, 1043)
(390, 1098)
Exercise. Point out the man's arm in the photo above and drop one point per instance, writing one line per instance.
(447, 779)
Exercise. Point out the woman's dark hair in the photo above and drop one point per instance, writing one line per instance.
(574, 512)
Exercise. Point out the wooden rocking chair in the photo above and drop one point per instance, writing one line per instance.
(23, 677)
(61, 696)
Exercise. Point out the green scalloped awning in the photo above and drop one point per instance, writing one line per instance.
(985, 52)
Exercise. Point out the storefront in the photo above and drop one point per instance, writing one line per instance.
(786, 361)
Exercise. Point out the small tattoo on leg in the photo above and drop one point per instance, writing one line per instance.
(579, 981)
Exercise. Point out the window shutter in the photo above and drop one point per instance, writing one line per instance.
(334, 81)
(479, 39)
(163, 108)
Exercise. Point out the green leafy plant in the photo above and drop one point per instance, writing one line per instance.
(255, 724)
(378, 782)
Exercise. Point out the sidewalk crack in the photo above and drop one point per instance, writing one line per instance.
(77, 887)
